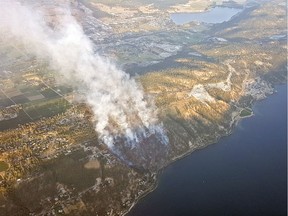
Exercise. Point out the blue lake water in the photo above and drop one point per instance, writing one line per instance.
(244, 174)
(215, 15)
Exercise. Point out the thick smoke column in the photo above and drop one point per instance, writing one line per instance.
(115, 98)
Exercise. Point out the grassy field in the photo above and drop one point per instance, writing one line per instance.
(246, 112)
(46, 108)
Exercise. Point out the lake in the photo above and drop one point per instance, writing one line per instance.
(215, 15)
(243, 174)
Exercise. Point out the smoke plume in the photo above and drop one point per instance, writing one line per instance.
(117, 101)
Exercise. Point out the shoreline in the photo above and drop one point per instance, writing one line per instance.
(154, 186)
(234, 123)
(254, 103)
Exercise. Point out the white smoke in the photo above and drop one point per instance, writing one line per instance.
(116, 100)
